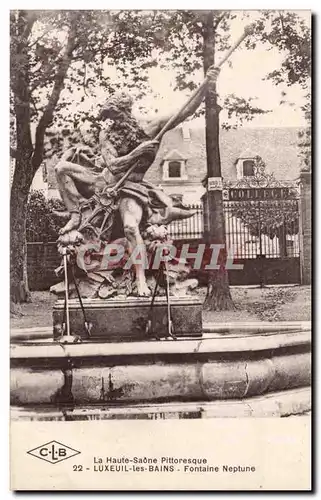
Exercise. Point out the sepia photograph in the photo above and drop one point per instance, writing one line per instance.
(160, 242)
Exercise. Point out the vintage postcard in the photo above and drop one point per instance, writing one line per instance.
(160, 220)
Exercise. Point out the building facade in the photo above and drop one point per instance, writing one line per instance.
(180, 165)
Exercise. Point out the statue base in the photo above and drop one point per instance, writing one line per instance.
(126, 319)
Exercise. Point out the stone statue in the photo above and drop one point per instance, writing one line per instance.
(137, 206)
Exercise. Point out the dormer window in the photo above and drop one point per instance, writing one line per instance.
(245, 165)
(174, 167)
(248, 168)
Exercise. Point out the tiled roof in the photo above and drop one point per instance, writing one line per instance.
(276, 146)
(174, 155)
(248, 153)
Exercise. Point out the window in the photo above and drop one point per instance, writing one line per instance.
(174, 169)
(248, 168)
(246, 165)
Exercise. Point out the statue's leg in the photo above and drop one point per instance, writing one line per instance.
(131, 214)
(67, 173)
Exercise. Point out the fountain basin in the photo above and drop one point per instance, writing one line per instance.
(215, 368)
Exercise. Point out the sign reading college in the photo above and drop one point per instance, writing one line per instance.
(266, 193)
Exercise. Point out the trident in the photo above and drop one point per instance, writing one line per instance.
(110, 194)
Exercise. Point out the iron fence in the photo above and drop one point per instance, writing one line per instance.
(262, 228)
(253, 228)
(188, 229)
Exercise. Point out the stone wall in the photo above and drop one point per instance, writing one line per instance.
(305, 227)
(42, 260)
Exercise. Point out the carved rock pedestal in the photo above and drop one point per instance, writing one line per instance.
(125, 319)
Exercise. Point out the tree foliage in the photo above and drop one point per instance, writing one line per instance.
(65, 60)
(54, 54)
(291, 35)
(181, 44)
(271, 219)
(41, 222)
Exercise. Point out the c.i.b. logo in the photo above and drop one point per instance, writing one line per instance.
(53, 452)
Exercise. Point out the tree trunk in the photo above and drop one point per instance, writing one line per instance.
(19, 291)
(218, 292)
(218, 297)
(21, 25)
(29, 158)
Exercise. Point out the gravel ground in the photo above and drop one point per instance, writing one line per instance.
(281, 303)
(38, 312)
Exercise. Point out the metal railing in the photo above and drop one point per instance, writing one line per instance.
(188, 229)
(269, 228)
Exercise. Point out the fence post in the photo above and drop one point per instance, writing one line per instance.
(305, 227)
(205, 209)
